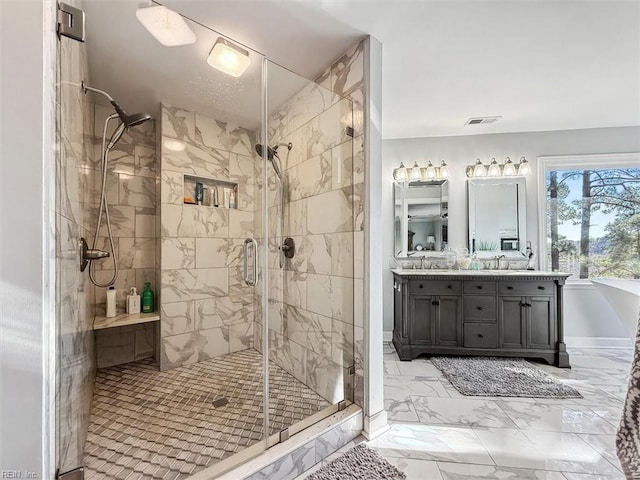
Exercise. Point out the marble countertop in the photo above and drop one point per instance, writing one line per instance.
(477, 273)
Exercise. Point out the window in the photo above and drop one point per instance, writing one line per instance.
(592, 216)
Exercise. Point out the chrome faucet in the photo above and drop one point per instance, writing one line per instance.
(498, 258)
(422, 259)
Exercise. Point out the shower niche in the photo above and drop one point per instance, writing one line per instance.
(215, 193)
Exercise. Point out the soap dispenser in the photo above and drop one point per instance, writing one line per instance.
(133, 302)
(148, 299)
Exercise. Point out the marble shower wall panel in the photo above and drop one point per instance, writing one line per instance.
(75, 365)
(206, 309)
(312, 303)
(131, 194)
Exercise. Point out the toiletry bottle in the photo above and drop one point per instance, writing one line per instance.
(147, 298)
(111, 302)
(226, 197)
(133, 302)
(232, 199)
(216, 197)
(199, 192)
(206, 196)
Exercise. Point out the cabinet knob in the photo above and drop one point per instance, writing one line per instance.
(479, 308)
(480, 335)
(540, 287)
(435, 302)
(449, 287)
(509, 287)
(479, 287)
(522, 304)
(420, 286)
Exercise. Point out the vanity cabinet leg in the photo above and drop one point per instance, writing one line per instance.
(563, 357)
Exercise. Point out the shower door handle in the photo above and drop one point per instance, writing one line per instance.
(250, 280)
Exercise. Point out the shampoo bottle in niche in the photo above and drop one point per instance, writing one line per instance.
(148, 299)
(133, 302)
(111, 302)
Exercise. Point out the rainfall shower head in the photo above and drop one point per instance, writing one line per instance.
(127, 120)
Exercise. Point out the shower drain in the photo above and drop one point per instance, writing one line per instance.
(220, 402)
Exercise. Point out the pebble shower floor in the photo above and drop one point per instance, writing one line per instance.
(147, 424)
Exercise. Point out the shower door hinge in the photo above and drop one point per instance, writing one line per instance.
(70, 22)
(342, 404)
(284, 435)
(351, 132)
(351, 370)
(75, 474)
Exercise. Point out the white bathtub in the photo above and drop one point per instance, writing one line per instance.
(624, 298)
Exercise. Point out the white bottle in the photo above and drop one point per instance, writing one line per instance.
(133, 302)
(232, 199)
(111, 302)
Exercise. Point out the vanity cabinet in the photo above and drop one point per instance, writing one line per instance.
(489, 314)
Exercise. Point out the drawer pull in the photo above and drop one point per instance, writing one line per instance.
(480, 335)
(509, 287)
(420, 286)
(435, 302)
(479, 308)
(540, 287)
(479, 287)
(449, 287)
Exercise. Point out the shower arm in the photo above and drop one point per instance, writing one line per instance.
(86, 88)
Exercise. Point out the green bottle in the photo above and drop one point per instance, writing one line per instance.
(147, 298)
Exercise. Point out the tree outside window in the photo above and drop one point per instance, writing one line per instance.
(593, 222)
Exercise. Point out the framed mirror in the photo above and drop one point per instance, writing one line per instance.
(497, 216)
(421, 217)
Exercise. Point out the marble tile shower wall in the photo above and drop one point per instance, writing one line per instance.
(75, 366)
(206, 310)
(312, 301)
(131, 195)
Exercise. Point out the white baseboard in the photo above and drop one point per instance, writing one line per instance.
(387, 336)
(598, 342)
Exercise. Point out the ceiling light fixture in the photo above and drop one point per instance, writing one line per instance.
(167, 26)
(228, 57)
(508, 169)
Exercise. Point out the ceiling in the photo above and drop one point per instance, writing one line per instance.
(540, 64)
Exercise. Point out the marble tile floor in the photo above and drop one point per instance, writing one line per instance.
(147, 424)
(438, 434)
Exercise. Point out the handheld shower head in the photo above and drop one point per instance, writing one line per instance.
(125, 118)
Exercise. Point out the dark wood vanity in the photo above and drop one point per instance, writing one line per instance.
(487, 313)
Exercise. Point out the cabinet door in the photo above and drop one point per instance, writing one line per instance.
(511, 316)
(421, 325)
(540, 319)
(448, 320)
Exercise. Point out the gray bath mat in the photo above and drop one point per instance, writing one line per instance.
(501, 377)
(359, 463)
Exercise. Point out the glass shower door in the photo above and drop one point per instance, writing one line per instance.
(310, 230)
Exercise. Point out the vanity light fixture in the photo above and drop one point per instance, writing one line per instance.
(416, 174)
(424, 174)
(444, 170)
(508, 169)
(494, 168)
(228, 57)
(523, 167)
(167, 26)
(400, 173)
(479, 170)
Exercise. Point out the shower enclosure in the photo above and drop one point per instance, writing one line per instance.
(237, 203)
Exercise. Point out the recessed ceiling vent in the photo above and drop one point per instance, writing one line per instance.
(479, 120)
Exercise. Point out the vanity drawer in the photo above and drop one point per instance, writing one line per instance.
(520, 288)
(480, 335)
(435, 287)
(480, 287)
(480, 308)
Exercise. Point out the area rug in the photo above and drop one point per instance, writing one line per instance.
(359, 463)
(501, 377)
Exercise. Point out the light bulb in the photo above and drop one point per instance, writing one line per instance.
(415, 172)
(431, 171)
(400, 174)
(444, 170)
(524, 168)
(479, 170)
(509, 169)
(494, 168)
